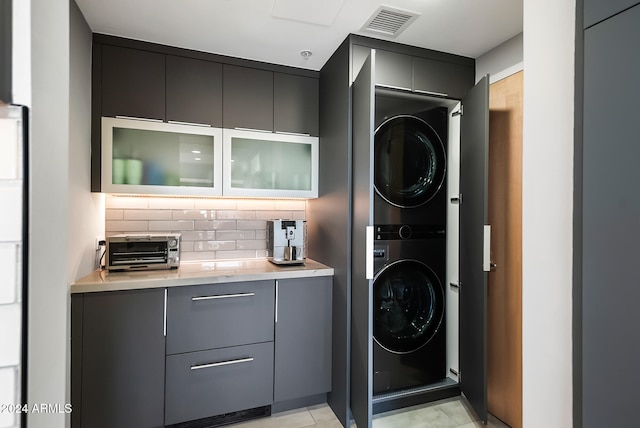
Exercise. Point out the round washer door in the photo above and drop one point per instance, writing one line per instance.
(410, 161)
(408, 306)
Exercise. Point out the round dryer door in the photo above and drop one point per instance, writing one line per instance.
(410, 161)
(408, 306)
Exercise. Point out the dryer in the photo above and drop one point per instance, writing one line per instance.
(409, 335)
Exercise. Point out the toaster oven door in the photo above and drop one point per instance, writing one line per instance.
(137, 254)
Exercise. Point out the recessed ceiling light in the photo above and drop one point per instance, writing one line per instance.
(306, 53)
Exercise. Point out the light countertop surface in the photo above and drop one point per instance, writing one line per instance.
(197, 273)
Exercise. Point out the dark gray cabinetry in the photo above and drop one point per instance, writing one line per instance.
(441, 77)
(597, 10)
(394, 69)
(295, 104)
(609, 205)
(194, 91)
(219, 349)
(133, 83)
(219, 315)
(206, 383)
(118, 351)
(247, 98)
(303, 338)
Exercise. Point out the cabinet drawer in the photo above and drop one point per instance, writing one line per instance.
(219, 315)
(209, 383)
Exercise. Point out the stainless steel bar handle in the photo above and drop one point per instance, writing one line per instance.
(165, 312)
(299, 134)
(221, 363)
(222, 296)
(438, 94)
(276, 317)
(397, 88)
(253, 130)
(178, 122)
(146, 119)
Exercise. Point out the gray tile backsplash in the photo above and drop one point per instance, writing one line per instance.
(211, 228)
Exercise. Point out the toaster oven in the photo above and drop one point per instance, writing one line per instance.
(143, 251)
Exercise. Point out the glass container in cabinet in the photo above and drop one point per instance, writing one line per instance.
(263, 164)
(148, 157)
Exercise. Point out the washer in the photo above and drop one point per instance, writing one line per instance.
(409, 335)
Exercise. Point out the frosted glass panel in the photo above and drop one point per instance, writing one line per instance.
(266, 164)
(160, 158)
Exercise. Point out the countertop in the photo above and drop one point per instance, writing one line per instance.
(197, 273)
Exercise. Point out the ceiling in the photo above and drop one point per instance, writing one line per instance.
(276, 31)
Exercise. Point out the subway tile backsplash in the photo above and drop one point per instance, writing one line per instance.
(211, 228)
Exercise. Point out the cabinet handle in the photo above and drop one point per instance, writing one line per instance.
(222, 296)
(146, 119)
(221, 363)
(438, 94)
(397, 88)
(276, 318)
(253, 130)
(298, 134)
(178, 122)
(165, 312)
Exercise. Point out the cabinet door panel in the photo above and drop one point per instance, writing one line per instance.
(123, 359)
(194, 91)
(295, 104)
(247, 98)
(597, 10)
(133, 83)
(394, 69)
(219, 315)
(303, 338)
(208, 383)
(439, 77)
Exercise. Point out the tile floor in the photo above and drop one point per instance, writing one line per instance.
(449, 413)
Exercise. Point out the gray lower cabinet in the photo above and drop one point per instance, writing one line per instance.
(228, 347)
(303, 338)
(219, 315)
(207, 383)
(118, 343)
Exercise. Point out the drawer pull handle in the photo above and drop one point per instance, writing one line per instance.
(221, 363)
(222, 296)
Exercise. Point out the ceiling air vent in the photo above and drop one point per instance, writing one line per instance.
(389, 21)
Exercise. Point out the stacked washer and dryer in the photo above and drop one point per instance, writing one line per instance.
(410, 216)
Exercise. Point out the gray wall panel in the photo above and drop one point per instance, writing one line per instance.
(597, 10)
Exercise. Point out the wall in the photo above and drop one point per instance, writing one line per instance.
(60, 159)
(548, 41)
(210, 228)
(49, 281)
(501, 61)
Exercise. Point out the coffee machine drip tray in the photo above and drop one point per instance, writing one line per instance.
(286, 262)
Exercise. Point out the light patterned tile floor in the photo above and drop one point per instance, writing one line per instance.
(449, 413)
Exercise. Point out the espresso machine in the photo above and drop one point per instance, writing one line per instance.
(287, 241)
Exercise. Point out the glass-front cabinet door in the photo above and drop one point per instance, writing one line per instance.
(147, 157)
(263, 164)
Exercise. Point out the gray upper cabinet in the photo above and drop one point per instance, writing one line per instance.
(441, 78)
(296, 104)
(597, 10)
(133, 83)
(303, 338)
(247, 98)
(417, 73)
(194, 91)
(118, 343)
(394, 69)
